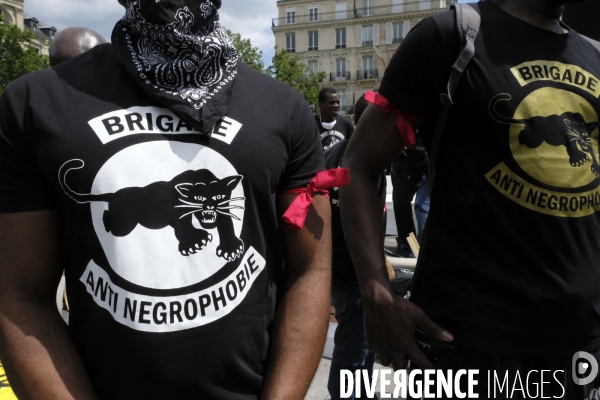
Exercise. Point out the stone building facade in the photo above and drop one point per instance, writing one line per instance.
(352, 41)
(43, 35)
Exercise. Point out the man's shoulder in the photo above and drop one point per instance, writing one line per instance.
(441, 25)
(81, 67)
(443, 19)
(593, 46)
(20, 91)
(344, 120)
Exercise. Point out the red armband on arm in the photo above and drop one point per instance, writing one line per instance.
(298, 210)
(404, 120)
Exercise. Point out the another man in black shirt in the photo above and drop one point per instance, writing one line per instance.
(333, 128)
(350, 351)
(509, 261)
(145, 169)
(407, 172)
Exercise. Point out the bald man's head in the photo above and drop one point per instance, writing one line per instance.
(71, 42)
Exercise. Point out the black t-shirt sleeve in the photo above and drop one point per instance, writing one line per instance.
(23, 186)
(305, 152)
(421, 66)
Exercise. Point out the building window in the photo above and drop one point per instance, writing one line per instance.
(340, 69)
(367, 8)
(397, 30)
(313, 14)
(368, 71)
(313, 67)
(341, 11)
(367, 35)
(290, 42)
(313, 40)
(397, 6)
(340, 38)
(368, 63)
(5, 16)
(342, 94)
(291, 16)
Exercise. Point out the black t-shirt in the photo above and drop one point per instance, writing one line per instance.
(510, 259)
(342, 267)
(343, 129)
(172, 252)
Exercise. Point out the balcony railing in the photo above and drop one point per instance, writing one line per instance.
(361, 12)
(344, 110)
(339, 76)
(367, 74)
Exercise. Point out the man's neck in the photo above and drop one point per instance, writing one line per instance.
(327, 118)
(541, 13)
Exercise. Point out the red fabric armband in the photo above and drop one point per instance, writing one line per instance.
(296, 214)
(403, 119)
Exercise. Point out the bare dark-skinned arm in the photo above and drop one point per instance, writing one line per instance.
(390, 320)
(302, 318)
(40, 359)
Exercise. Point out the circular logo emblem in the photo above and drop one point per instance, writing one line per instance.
(174, 216)
(554, 138)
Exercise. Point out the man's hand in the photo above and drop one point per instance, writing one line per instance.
(390, 323)
(303, 313)
(390, 320)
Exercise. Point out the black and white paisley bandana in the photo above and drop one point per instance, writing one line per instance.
(180, 56)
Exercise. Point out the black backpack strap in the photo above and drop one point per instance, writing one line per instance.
(468, 21)
(592, 42)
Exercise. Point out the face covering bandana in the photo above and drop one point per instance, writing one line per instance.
(180, 56)
(328, 125)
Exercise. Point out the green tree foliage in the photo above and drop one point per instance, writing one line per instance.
(289, 68)
(247, 53)
(17, 57)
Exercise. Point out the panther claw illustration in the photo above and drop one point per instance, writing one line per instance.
(595, 170)
(232, 250)
(578, 159)
(194, 243)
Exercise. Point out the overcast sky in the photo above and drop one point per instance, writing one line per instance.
(250, 18)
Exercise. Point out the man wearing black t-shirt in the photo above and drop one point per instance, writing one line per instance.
(509, 262)
(143, 169)
(350, 351)
(332, 127)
